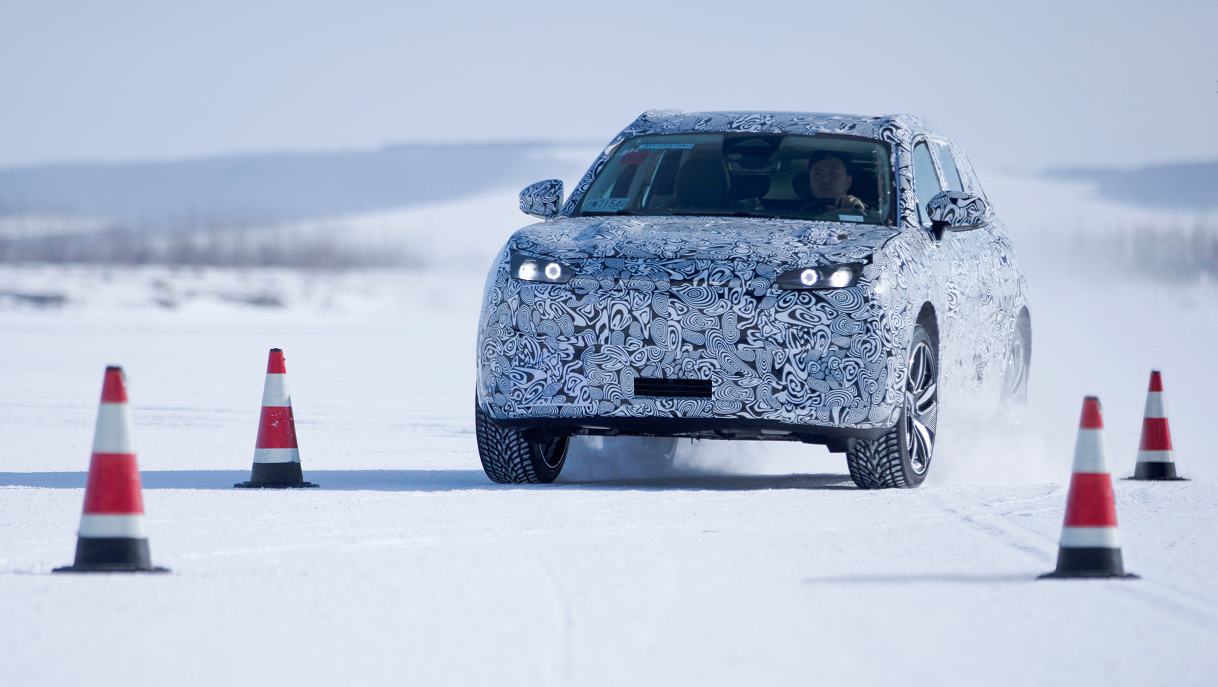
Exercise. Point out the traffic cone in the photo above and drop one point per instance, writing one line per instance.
(112, 537)
(1154, 452)
(276, 456)
(1089, 544)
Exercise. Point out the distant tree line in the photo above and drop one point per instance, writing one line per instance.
(122, 245)
(1163, 253)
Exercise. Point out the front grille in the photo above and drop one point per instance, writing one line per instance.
(672, 388)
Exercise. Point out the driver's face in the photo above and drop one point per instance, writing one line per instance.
(829, 179)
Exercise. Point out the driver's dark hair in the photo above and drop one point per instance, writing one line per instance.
(831, 155)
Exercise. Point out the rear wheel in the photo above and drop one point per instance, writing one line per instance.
(509, 458)
(901, 457)
(1019, 360)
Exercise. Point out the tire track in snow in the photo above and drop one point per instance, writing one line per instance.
(1184, 607)
(1198, 612)
(996, 525)
(566, 652)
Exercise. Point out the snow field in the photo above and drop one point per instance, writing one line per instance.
(439, 577)
(736, 562)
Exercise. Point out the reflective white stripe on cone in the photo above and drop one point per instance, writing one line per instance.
(113, 430)
(105, 526)
(1087, 537)
(276, 455)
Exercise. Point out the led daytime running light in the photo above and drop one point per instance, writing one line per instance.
(540, 270)
(824, 277)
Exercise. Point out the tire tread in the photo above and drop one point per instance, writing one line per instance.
(876, 464)
(507, 458)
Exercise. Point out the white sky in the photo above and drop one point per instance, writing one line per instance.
(1023, 86)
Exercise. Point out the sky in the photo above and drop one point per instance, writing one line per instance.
(1022, 86)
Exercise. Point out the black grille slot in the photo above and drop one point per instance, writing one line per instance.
(672, 388)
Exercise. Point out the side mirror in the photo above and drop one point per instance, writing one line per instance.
(957, 211)
(543, 199)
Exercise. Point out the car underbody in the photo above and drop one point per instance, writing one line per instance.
(833, 438)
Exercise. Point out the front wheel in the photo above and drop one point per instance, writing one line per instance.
(901, 457)
(509, 458)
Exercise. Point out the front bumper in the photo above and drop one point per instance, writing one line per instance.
(568, 355)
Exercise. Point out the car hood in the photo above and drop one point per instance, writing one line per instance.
(777, 242)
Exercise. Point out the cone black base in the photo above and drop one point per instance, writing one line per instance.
(276, 476)
(111, 554)
(1088, 562)
(275, 485)
(1156, 471)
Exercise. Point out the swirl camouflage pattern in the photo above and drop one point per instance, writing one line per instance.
(676, 297)
(542, 199)
(956, 209)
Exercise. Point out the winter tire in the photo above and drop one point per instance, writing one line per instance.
(508, 458)
(1019, 361)
(901, 457)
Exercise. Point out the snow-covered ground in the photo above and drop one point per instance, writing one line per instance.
(736, 563)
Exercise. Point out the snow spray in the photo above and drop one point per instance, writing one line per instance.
(596, 458)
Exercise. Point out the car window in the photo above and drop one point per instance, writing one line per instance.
(948, 165)
(967, 175)
(816, 177)
(926, 182)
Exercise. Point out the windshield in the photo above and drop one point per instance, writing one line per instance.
(834, 178)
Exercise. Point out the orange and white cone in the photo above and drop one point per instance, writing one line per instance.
(112, 536)
(276, 455)
(1090, 546)
(1154, 452)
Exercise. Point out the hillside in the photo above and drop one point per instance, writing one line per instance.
(252, 189)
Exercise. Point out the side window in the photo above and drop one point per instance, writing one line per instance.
(968, 175)
(948, 165)
(926, 182)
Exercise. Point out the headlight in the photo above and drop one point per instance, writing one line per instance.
(825, 277)
(540, 269)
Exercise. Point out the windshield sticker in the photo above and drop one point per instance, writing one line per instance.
(606, 204)
(665, 146)
(635, 157)
(850, 218)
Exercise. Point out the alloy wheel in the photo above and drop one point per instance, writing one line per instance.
(1017, 368)
(921, 416)
(553, 452)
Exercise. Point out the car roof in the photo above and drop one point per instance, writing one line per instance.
(676, 121)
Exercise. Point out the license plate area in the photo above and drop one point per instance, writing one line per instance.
(672, 388)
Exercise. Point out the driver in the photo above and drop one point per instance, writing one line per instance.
(829, 179)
